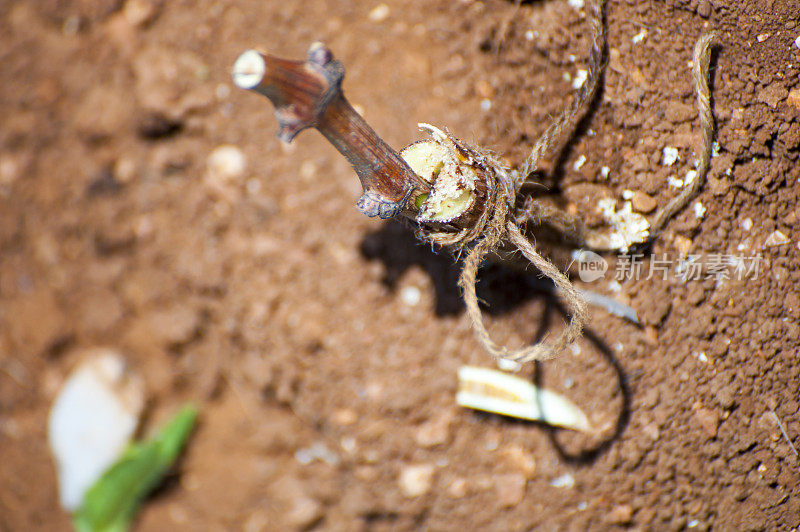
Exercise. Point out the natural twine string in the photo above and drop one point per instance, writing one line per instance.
(701, 58)
(497, 223)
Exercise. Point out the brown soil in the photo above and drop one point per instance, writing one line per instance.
(285, 314)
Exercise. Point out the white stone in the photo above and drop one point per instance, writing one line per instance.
(669, 155)
(92, 421)
(674, 182)
(410, 295)
(226, 163)
(639, 37)
(379, 13)
(415, 480)
(776, 238)
(564, 481)
(699, 210)
(580, 78)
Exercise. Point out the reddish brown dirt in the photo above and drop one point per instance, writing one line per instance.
(278, 308)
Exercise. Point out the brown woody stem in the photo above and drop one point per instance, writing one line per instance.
(309, 94)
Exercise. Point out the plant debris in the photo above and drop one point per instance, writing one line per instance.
(110, 505)
(500, 393)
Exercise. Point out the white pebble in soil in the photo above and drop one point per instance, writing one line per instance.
(579, 79)
(564, 481)
(699, 210)
(92, 421)
(639, 37)
(416, 480)
(776, 238)
(669, 155)
(226, 163)
(379, 13)
(411, 295)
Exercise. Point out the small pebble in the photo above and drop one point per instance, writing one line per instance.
(410, 295)
(708, 420)
(457, 488)
(699, 210)
(91, 422)
(669, 155)
(639, 37)
(579, 79)
(348, 445)
(747, 224)
(416, 480)
(793, 98)
(486, 104)
(564, 481)
(379, 13)
(140, 12)
(726, 397)
(704, 8)
(308, 170)
(510, 489)
(651, 431)
(674, 182)
(579, 162)
(10, 169)
(226, 163)
(222, 91)
(520, 460)
(434, 432)
(772, 94)
(484, 89)
(344, 417)
(175, 325)
(776, 238)
(797, 42)
(621, 514)
(316, 451)
(643, 202)
(304, 512)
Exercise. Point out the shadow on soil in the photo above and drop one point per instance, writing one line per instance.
(501, 290)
